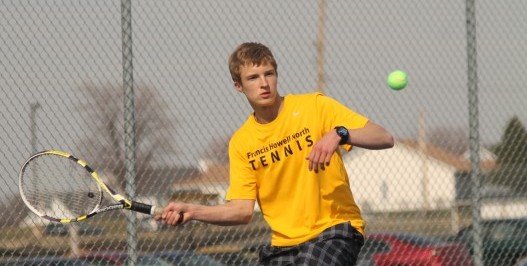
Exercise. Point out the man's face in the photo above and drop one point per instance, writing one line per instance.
(259, 84)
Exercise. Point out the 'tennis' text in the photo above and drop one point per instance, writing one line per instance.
(275, 151)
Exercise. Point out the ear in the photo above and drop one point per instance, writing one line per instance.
(238, 86)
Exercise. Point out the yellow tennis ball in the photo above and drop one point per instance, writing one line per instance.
(397, 80)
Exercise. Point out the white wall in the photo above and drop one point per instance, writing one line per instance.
(399, 179)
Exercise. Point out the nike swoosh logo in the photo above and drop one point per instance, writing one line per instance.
(296, 113)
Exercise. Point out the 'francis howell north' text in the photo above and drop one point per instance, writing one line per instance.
(275, 151)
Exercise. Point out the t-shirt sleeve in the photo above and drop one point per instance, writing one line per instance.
(242, 179)
(333, 113)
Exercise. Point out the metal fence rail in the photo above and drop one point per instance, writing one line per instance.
(141, 91)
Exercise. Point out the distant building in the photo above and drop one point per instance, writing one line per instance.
(410, 176)
(208, 187)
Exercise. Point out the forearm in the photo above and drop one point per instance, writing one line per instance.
(372, 137)
(224, 214)
(232, 213)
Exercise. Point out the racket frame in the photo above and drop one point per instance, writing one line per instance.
(123, 203)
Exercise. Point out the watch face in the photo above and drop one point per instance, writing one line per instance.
(342, 131)
(344, 135)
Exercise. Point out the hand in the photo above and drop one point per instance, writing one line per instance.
(174, 214)
(323, 150)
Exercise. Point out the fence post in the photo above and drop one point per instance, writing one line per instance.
(129, 125)
(472, 82)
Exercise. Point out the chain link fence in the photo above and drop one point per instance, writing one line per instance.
(68, 68)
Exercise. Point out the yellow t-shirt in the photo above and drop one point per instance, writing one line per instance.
(267, 163)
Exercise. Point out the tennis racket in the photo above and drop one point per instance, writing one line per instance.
(59, 187)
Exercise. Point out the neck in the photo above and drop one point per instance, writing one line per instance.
(267, 114)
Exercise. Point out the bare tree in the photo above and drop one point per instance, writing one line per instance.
(218, 152)
(103, 111)
(452, 139)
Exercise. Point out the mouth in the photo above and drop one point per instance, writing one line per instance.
(266, 94)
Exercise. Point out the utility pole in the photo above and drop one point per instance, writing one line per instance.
(33, 125)
(422, 142)
(321, 79)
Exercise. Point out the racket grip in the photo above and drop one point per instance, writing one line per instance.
(157, 211)
(145, 208)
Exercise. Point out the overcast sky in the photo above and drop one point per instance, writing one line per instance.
(50, 48)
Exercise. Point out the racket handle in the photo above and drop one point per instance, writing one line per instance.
(145, 208)
(157, 211)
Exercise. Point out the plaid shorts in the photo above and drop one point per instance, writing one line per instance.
(337, 245)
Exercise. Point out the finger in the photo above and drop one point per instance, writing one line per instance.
(310, 164)
(167, 216)
(317, 162)
(315, 167)
(166, 210)
(181, 218)
(173, 218)
(176, 218)
(328, 159)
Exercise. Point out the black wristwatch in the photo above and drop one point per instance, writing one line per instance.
(343, 133)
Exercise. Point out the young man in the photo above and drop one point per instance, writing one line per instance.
(286, 157)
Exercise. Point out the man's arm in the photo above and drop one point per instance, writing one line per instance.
(234, 212)
(371, 136)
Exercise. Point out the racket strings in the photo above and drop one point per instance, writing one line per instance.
(59, 187)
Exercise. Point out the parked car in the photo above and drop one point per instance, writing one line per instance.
(383, 249)
(180, 258)
(44, 261)
(504, 241)
(121, 259)
(234, 255)
(186, 258)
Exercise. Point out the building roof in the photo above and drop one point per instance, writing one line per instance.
(458, 162)
(212, 174)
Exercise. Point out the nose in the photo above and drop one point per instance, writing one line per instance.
(263, 81)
